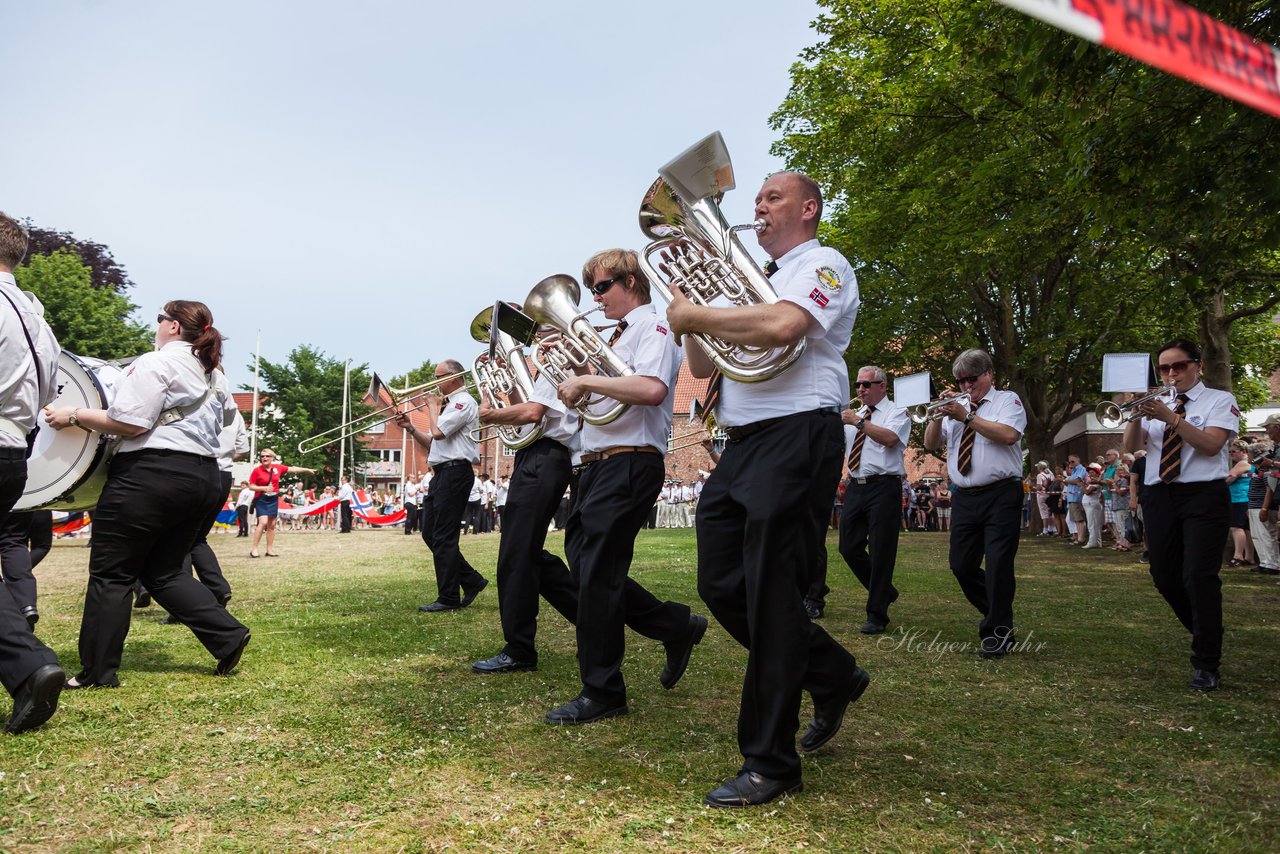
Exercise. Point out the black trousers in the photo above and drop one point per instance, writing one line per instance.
(15, 560)
(525, 568)
(1187, 527)
(201, 558)
(612, 502)
(242, 520)
(985, 522)
(441, 528)
(21, 654)
(410, 517)
(757, 545)
(344, 515)
(471, 519)
(869, 540)
(147, 519)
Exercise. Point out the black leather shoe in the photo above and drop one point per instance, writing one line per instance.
(583, 710)
(750, 789)
(75, 683)
(994, 647)
(226, 665)
(503, 663)
(678, 653)
(829, 715)
(143, 600)
(36, 699)
(436, 607)
(813, 608)
(171, 620)
(469, 596)
(32, 615)
(224, 599)
(873, 628)
(1205, 680)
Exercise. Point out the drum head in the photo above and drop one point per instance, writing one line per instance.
(64, 459)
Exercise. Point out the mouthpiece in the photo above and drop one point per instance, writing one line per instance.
(756, 226)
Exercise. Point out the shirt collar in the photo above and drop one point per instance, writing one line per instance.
(177, 345)
(796, 251)
(639, 312)
(1195, 391)
(8, 278)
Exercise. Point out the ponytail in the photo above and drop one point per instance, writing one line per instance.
(197, 329)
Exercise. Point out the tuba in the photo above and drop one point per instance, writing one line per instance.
(696, 251)
(574, 343)
(503, 375)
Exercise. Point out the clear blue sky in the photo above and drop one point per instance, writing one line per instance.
(365, 178)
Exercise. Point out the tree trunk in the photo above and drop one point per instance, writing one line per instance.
(1215, 344)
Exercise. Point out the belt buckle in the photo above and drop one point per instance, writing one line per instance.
(862, 481)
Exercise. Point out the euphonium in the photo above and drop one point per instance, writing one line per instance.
(503, 375)
(575, 343)
(696, 251)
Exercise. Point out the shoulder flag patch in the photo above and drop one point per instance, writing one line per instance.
(819, 297)
(457, 406)
(661, 328)
(1234, 411)
(829, 279)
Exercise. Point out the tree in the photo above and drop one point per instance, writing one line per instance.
(104, 272)
(985, 198)
(88, 321)
(304, 399)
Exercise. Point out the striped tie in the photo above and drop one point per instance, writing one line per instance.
(1171, 453)
(617, 333)
(855, 454)
(965, 461)
(717, 379)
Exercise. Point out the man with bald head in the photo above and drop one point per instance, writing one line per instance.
(757, 545)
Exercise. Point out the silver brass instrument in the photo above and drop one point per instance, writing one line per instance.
(923, 413)
(574, 342)
(696, 251)
(1111, 414)
(503, 375)
(417, 395)
(712, 432)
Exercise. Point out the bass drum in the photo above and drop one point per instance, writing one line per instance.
(68, 467)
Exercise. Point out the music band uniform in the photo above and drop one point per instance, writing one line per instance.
(1187, 521)
(159, 487)
(869, 519)
(986, 516)
(28, 361)
(452, 459)
(624, 472)
(756, 543)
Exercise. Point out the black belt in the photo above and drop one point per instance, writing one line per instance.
(164, 452)
(978, 490)
(737, 434)
(13, 453)
(447, 463)
(871, 478)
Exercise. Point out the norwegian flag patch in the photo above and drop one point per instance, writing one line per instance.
(819, 297)
(1235, 412)
(662, 329)
(457, 406)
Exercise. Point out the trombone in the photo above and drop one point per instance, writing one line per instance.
(370, 420)
(711, 431)
(922, 413)
(1111, 414)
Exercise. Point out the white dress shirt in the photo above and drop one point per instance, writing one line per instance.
(459, 418)
(233, 440)
(168, 378)
(560, 423)
(819, 280)
(992, 461)
(649, 348)
(1205, 407)
(876, 458)
(26, 387)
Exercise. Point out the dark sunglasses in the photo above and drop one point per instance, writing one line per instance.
(164, 318)
(868, 383)
(968, 380)
(601, 287)
(1177, 366)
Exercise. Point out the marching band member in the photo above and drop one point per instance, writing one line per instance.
(451, 454)
(169, 408)
(623, 475)
(875, 443)
(29, 351)
(757, 545)
(1185, 504)
(984, 461)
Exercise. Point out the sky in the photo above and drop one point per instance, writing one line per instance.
(365, 178)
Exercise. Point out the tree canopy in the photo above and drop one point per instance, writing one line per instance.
(104, 272)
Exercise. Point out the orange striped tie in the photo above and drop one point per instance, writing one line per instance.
(617, 333)
(1171, 452)
(965, 462)
(855, 453)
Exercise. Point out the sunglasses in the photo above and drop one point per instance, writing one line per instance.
(601, 287)
(968, 380)
(164, 318)
(1177, 366)
(868, 383)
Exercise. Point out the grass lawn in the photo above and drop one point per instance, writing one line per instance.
(354, 722)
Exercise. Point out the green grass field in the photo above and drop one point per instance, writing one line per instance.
(354, 722)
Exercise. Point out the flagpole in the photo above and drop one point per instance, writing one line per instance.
(404, 446)
(253, 434)
(342, 447)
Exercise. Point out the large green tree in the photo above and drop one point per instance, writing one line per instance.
(989, 177)
(88, 320)
(303, 398)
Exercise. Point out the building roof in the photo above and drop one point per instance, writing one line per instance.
(688, 389)
(244, 401)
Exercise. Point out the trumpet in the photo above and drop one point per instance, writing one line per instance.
(418, 395)
(923, 413)
(573, 343)
(503, 376)
(713, 432)
(1111, 414)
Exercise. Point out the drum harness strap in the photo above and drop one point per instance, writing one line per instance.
(7, 425)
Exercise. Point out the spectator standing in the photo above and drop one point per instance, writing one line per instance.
(1238, 478)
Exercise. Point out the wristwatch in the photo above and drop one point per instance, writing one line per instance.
(74, 421)
(862, 423)
(968, 418)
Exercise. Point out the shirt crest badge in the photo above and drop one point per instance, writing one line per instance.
(829, 279)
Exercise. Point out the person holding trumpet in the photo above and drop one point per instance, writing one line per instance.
(982, 430)
(452, 453)
(1185, 503)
